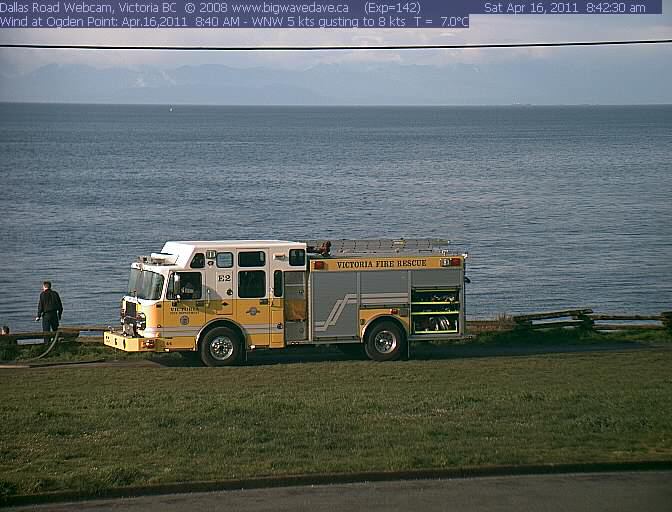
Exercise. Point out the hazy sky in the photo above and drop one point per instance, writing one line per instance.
(484, 29)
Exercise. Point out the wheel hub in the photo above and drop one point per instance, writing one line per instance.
(385, 342)
(221, 348)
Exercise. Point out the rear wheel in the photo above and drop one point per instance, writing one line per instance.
(220, 347)
(385, 342)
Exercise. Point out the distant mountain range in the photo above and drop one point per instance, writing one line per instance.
(527, 82)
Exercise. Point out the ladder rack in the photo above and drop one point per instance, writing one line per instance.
(344, 247)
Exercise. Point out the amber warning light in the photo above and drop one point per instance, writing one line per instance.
(451, 262)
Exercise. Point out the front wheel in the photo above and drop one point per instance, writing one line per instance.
(385, 342)
(220, 347)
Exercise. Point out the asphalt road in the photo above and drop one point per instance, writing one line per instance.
(613, 492)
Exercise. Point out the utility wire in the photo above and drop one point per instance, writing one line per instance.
(336, 47)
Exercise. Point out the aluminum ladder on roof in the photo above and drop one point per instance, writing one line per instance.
(385, 245)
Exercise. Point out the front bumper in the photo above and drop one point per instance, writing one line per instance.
(131, 344)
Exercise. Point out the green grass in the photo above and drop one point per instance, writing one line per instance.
(89, 429)
(66, 352)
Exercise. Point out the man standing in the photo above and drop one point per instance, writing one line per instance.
(50, 309)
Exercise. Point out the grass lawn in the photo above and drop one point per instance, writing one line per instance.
(88, 429)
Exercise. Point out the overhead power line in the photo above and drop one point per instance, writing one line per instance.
(337, 47)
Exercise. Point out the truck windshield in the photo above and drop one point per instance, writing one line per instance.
(145, 284)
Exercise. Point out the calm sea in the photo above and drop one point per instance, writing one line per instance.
(557, 206)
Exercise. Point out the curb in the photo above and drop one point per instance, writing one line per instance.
(334, 478)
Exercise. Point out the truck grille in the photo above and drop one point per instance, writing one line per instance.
(131, 309)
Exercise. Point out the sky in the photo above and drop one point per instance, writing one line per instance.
(653, 61)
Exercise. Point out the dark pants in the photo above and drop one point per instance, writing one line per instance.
(49, 323)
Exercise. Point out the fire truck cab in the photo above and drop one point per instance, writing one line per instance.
(222, 299)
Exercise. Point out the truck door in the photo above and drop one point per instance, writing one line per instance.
(278, 309)
(296, 306)
(288, 297)
(185, 312)
(221, 301)
(252, 309)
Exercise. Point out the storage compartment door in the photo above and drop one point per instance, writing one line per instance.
(335, 307)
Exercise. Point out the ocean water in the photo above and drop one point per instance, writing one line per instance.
(558, 207)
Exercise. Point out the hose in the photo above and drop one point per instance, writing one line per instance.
(49, 348)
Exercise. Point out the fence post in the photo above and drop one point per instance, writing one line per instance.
(587, 322)
(666, 319)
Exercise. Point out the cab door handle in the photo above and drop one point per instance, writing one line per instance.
(263, 301)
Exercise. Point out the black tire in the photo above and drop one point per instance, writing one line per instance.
(385, 342)
(220, 347)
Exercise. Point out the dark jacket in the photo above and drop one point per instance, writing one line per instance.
(50, 302)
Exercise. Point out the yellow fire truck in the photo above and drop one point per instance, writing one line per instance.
(222, 299)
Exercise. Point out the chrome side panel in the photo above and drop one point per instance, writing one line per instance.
(334, 304)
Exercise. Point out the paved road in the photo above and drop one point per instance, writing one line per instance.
(613, 492)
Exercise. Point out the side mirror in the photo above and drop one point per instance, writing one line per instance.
(173, 291)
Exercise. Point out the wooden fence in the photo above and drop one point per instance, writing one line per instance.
(586, 319)
(63, 334)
